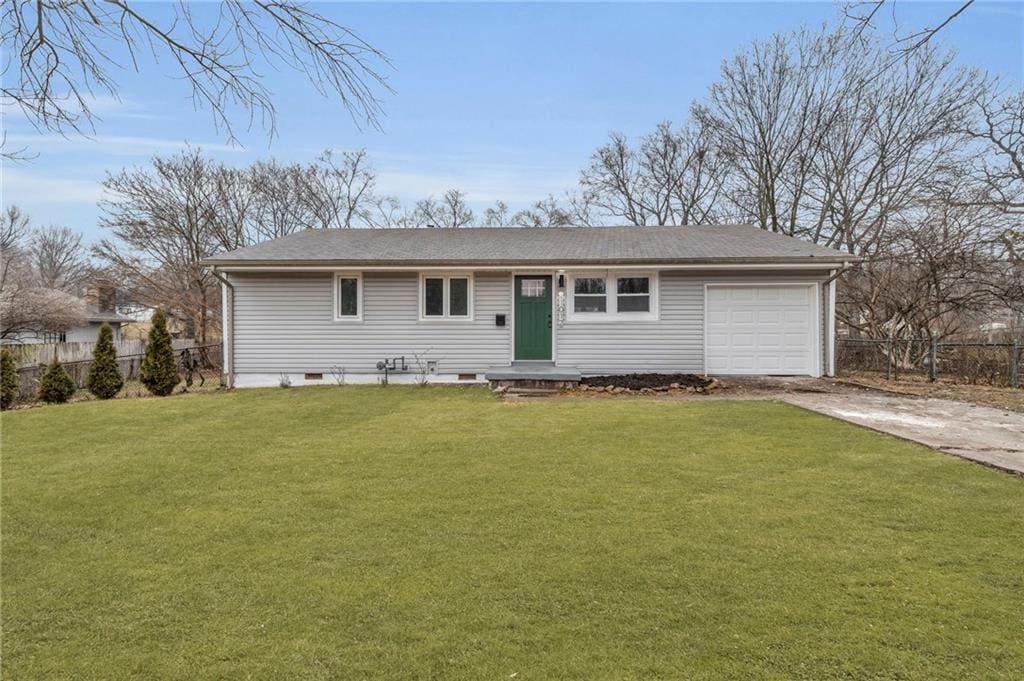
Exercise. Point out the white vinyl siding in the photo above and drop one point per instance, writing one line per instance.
(285, 322)
(672, 343)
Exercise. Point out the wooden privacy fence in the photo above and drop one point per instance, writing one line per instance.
(997, 364)
(200, 357)
(43, 353)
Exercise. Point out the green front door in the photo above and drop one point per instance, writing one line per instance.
(533, 317)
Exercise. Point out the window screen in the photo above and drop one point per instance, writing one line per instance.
(589, 295)
(348, 297)
(433, 297)
(458, 297)
(634, 294)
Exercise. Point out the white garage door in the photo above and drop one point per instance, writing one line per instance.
(759, 329)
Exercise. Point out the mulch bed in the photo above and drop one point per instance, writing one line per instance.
(650, 381)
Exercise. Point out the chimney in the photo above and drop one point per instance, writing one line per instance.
(92, 297)
(101, 296)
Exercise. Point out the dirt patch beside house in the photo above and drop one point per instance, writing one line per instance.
(680, 386)
(641, 381)
(920, 386)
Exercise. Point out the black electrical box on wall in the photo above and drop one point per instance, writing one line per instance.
(499, 320)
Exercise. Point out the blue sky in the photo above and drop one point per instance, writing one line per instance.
(504, 101)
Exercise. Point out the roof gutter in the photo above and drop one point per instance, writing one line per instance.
(838, 273)
(266, 266)
(228, 332)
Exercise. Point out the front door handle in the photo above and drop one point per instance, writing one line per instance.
(549, 320)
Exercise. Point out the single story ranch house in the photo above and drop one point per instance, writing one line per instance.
(500, 303)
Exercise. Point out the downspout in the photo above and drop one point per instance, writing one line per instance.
(228, 303)
(833, 342)
(842, 268)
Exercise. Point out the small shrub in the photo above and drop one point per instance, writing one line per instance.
(286, 381)
(9, 383)
(159, 369)
(56, 386)
(104, 379)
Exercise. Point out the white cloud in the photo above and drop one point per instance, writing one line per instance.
(114, 145)
(483, 182)
(26, 187)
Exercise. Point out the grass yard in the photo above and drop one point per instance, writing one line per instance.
(411, 533)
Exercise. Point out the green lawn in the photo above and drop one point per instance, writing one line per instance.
(410, 533)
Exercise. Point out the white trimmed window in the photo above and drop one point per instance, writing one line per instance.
(633, 294)
(590, 295)
(610, 296)
(348, 297)
(446, 297)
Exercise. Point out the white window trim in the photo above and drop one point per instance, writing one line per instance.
(338, 317)
(447, 277)
(611, 292)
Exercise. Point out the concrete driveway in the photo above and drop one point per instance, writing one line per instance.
(991, 436)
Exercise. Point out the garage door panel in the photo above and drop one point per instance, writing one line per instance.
(796, 341)
(718, 316)
(742, 295)
(795, 295)
(717, 294)
(741, 340)
(761, 329)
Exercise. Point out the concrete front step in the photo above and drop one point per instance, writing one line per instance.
(533, 371)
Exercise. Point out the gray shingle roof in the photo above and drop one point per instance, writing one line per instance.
(94, 315)
(530, 246)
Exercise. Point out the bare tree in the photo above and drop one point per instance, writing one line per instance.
(64, 53)
(15, 262)
(341, 191)
(768, 114)
(933, 276)
(59, 258)
(862, 17)
(281, 200)
(165, 220)
(14, 227)
(27, 307)
(673, 177)
(815, 153)
(547, 212)
(998, 171)
(450, 211)
(496, 216)
(999, 126)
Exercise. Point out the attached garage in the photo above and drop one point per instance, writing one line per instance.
(762, 329)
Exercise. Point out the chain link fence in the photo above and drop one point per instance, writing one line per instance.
(995, 364)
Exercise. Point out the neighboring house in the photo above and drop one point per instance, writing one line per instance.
(89, 331)
(140, 322)
(465, 304)
(95, 308)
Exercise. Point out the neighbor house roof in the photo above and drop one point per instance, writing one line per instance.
(530, 246)
(94, 315)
